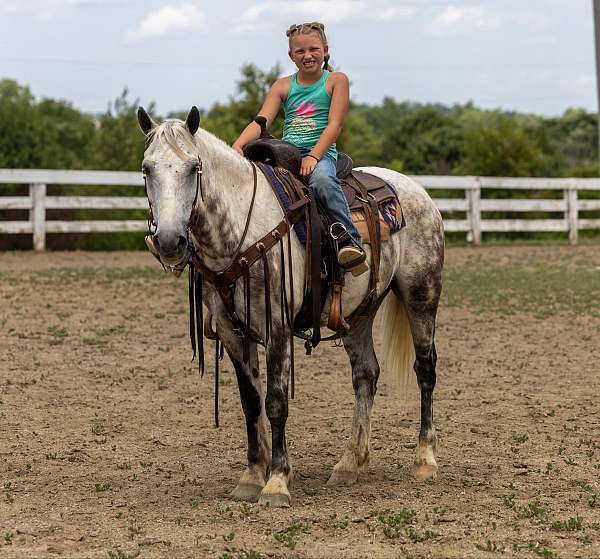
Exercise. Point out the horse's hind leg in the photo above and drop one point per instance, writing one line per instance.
(365, 372)
(254, 477)
(421, 300)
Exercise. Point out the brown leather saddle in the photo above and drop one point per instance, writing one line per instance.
(365, 194)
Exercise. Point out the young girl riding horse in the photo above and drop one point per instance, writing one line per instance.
(315, 101)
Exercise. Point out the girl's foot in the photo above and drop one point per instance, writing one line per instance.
(353, 259)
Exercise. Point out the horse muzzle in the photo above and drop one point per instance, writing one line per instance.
(170, 247)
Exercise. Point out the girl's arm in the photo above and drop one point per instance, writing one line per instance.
(269, 110)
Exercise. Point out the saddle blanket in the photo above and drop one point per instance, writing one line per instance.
(391, 218)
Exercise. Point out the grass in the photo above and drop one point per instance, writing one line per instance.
(242, 554)
(58, 334)
(541, 289)
(133, 530)
(118, 554)
(398, 524)
(289, 535)
(570, 525)
(8, 492)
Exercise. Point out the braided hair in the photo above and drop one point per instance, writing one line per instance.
(306, 29)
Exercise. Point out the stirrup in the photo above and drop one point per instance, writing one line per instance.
(351, 257)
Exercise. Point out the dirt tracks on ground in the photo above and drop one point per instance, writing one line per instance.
(107, 444)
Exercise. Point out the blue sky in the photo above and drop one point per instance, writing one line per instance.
(527, 55)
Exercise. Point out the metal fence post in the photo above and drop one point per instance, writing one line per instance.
(37, 192)
(572, 212)
(474, 214)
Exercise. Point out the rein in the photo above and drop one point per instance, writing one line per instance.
(224, 282)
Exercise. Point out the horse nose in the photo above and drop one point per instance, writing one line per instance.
(170, 244)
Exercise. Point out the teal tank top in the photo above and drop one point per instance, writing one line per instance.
(307, 114)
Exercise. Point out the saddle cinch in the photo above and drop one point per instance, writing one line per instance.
(375, 210)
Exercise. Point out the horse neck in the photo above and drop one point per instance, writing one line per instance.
(222, 207)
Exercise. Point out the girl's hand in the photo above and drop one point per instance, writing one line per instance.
(308, 165)
(238, 148)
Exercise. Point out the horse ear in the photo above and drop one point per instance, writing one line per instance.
(144, 120)
(192, 122)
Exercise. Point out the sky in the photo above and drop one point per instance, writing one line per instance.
(525, 55)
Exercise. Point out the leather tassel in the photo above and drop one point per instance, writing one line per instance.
(246, 340)
(199, 321)
(268, 318)
(191, 273)
(217, 382)
(292, 307)
(315, 269)
(283, 299)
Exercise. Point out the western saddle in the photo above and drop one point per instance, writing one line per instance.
(366, 195)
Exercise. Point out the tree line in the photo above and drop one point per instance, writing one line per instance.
(414, 138)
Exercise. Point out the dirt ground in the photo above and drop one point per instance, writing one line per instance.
(108, 449)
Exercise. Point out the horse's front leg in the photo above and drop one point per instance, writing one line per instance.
(254, 477)
(276, 493)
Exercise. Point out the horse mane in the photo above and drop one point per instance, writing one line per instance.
(174, 134)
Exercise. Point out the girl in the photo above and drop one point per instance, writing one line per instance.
(315, 103)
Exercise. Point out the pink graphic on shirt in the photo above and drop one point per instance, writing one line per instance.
(305, 109)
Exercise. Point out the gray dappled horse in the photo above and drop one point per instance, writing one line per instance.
(411, 269)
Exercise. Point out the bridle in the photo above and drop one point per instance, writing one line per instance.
(198, 271)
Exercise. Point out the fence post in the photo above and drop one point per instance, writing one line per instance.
(474, 213)
(37, 192)
(572, 211)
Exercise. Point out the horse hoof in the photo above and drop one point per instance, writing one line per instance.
(246, 492)
(277, 500)
(342, 477)
(425, 472)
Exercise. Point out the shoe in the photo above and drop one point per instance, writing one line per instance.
(353, 259)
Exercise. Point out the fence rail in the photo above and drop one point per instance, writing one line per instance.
(472, 204)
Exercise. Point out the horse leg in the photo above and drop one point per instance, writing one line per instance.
(254, 477)
(276, 492)
(365, 372)
(422, 310)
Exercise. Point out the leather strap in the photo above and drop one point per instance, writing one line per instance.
(315, 269)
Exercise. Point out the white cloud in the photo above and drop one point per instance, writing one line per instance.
(48, 9)
(328, 11)
(393, 14)
(169, 19)
(453, 18)
(586, 82)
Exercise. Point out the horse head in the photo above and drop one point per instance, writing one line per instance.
(172, 173)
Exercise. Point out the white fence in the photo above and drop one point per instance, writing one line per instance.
(472, 204)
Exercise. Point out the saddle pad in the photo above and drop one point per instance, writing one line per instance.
(288, 189)
(360, 221)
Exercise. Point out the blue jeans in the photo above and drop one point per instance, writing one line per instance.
(328, 191)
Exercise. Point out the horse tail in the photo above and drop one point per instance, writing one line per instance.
(398, 356)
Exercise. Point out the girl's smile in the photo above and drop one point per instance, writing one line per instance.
(308, 54)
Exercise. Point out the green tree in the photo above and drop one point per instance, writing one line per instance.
(227, 120)
(497, 145)
(360, 140)
(423, 140)
(48, 134)
(119, 143)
